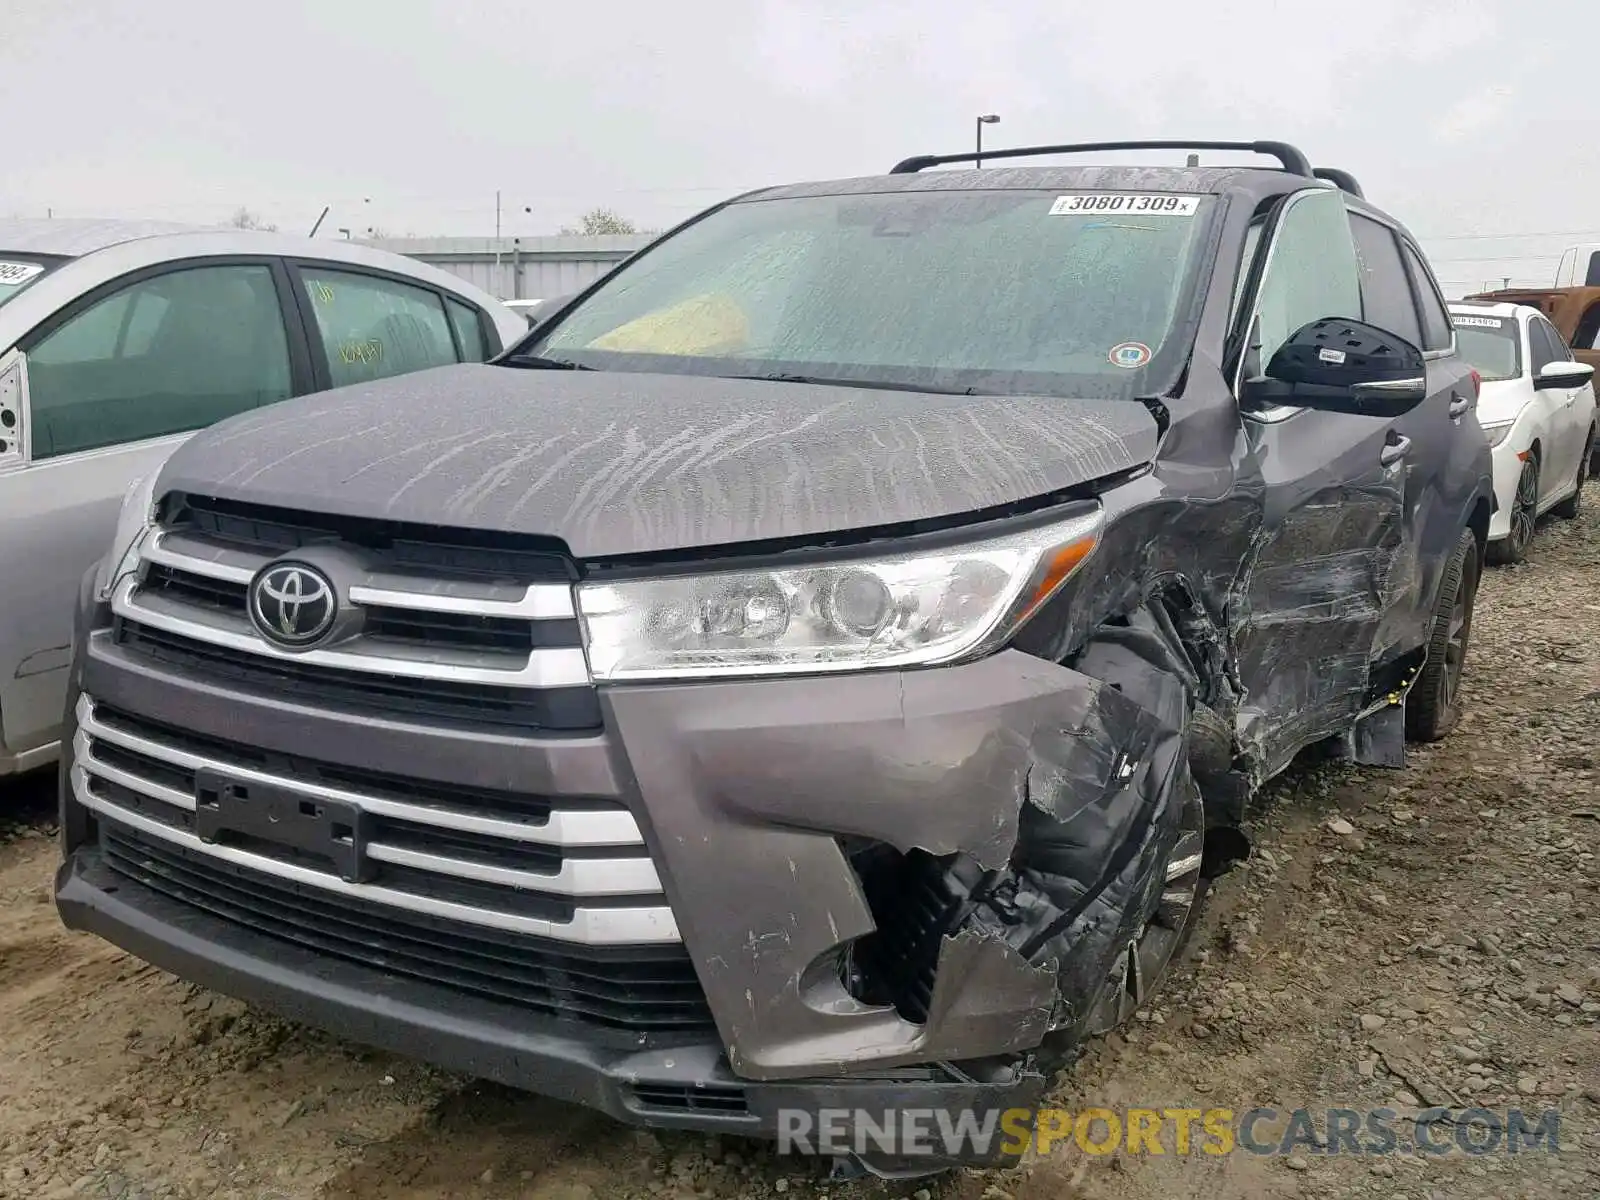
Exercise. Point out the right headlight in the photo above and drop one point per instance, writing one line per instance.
(134, 523)
(900, 610)
(1498, 432)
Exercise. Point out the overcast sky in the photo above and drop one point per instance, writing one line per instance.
(1475, 123)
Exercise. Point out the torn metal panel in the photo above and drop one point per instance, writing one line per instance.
(1006, 769)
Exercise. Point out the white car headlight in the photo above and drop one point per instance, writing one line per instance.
(896, 611)
(133, 526)
(1498, 432)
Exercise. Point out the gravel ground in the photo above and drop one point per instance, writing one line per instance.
(1399, 938)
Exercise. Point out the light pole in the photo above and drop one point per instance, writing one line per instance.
(986, 119)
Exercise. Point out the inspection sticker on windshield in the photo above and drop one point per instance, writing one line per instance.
(1130, 354)
(14, 274)
(1480, 322)
(1133, 204)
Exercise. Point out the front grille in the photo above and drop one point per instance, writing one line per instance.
(271, 531)
(553, 710)
(726, 1099)
(644, 990)
(483, 635)
(551, 903)
(570, 869)
(463, 630)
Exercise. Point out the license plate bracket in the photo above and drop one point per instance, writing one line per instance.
(229, 809)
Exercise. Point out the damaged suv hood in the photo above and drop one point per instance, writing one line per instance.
(618, 463)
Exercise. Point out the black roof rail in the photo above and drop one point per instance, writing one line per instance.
(1292, 159)
(1342, 180)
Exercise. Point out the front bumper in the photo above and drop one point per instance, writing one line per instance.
(1020, 795)
(686, 1086)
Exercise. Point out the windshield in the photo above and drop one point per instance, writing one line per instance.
(1490, 344)
(992, 291)
(16, 274)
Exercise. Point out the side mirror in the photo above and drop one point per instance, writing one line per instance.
(1341, 365)
(1563, 374)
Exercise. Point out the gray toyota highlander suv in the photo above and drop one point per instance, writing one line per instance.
(819, 666)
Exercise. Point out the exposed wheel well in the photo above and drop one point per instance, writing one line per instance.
(1478, 522)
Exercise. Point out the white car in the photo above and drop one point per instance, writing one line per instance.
(118, 339)
(1537, 408)
(527, 309)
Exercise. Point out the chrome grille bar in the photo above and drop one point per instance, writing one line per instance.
(590, 926)
(648, 922)
(538, 601)
(541, 668)
(568, 829)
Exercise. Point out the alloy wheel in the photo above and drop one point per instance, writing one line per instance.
(1525, 506)
(1460, 629)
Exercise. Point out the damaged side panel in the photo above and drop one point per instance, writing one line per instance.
(941, 866)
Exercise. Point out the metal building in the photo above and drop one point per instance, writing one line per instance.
(530, 268)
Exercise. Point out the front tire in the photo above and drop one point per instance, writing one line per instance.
(1573, 504)
(1513, 548)
(1434, 704)
(1139, 970)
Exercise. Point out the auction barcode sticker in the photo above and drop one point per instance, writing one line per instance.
(15, 273)
(1138, 204)
(1480, 322)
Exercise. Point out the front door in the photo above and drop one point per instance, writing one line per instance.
(1567, 438)
(1312, 601)
(113, 384)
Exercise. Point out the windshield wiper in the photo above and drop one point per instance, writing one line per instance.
(537, 362)
(875, 384)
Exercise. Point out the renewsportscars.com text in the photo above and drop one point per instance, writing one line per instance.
(1008, 1133)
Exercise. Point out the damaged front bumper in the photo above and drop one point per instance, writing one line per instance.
(897, 890)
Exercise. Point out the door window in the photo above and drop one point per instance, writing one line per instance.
(1558, 345)
(469, 330)
(1313, 272)
(373, 328)
(1436, 327)
(1385, 293)
(169, 354)
(1587, 335)
(1544, 346)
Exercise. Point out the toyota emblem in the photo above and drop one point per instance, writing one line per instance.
(292, 604)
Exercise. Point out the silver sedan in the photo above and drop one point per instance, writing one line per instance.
(119, 339)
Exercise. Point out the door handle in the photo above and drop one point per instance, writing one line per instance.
(1459, 406)
(1394, 450)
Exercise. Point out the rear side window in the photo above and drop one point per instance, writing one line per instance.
(1385, 292)
(1435, 318)
(165, 355)
(469, 330)
(373, 328)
